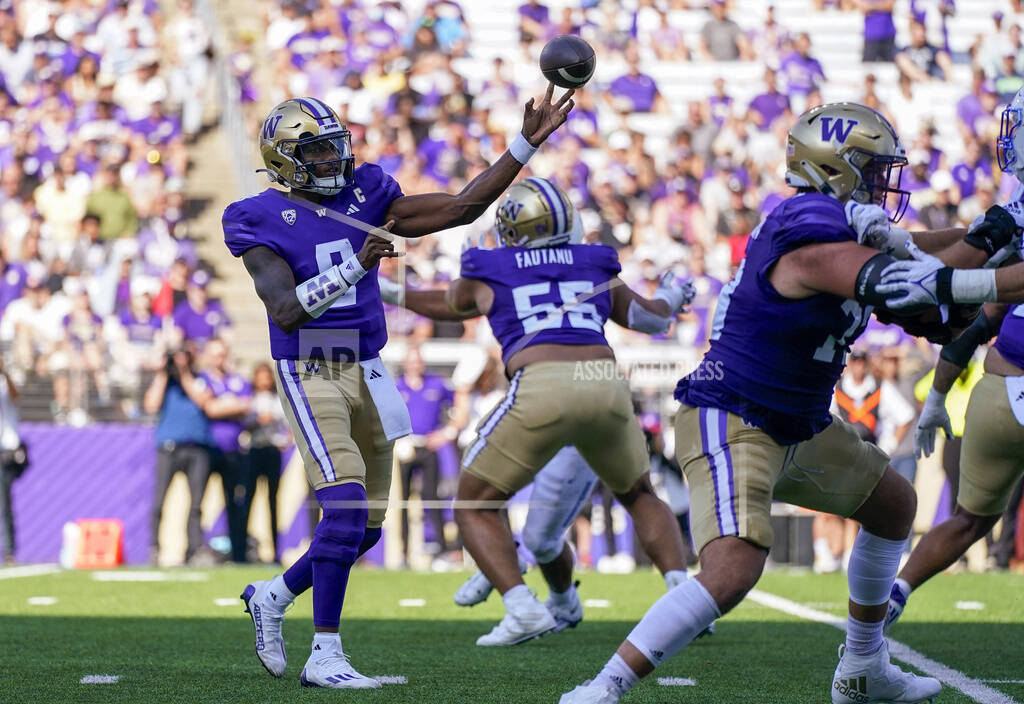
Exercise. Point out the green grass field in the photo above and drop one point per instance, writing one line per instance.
(171, 641)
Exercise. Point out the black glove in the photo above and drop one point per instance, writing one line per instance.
(995, 230)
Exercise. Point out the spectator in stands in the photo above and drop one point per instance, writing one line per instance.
(897, 437)
(941, 213)
(268, 436)
(635, 91)
(534, 18)
(198, 317)
(184, 444)
(803, 72)
(226, 398)
(973, 167)
(82, 345)
(721, 39)
(13, 461)
(668, 42)
(1008, 79)
(879, 29)
(766, 107)
(111, 204)
(12, 280)
(921, 61)
(768, 39)
(429, 400)
(976, 109)
(188, 36)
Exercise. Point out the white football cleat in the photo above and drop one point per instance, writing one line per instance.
(329, 667)
(897, 602)
(529, 623)
(861, 679)
(590, 693)
(267, 612)
(566, 616)
(477, 588)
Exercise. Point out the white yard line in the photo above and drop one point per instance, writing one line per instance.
(975, 689)
(27, 571)
(391, 679)
(100, 679)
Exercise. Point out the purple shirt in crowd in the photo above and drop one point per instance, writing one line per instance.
(200, 326)
(140, 331)
(803, 73)
(427, 403)
(769, 106)
(967, 176)
(12, 283)
(226, 430)
(878, 24)
(640, 90)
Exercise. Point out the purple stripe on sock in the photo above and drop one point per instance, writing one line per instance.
(330, 475)
(727, 452)
(299, 577)
(711, 463)
(282, 370)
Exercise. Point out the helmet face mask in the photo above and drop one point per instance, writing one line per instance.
(1010, 144)
(849, 152)
(304, 146)
(537, 213)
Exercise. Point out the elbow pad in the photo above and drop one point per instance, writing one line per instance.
(317, 293)
(960, 350)
(869, 278)
(643, 320)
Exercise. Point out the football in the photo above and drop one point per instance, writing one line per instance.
(567, 61)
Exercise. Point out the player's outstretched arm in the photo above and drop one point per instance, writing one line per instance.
(424, 214)
(431, 304)
(654, 315)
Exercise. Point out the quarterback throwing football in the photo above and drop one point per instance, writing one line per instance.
(318, 282)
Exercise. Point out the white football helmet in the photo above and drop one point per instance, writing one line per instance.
(1010, 145)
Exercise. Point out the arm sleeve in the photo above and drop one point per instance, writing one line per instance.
(388, 186)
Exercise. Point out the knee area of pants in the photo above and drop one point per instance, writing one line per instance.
(544, 549)
(338, 536)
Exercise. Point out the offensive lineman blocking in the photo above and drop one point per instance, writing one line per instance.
(563, 484)
(327, 327)
(547, 299)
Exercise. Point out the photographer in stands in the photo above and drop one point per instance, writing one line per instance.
(183, 439)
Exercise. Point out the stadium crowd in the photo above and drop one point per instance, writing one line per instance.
(101, 100)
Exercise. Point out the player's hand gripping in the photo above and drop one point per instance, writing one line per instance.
(676, 293)
(540, 121)
(376, 248)
(874, 230)
(933, 416)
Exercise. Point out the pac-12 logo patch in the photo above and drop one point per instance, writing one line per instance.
(289, 216)
(836, 128)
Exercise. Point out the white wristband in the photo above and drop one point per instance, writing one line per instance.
(973, 285)
(317, 293)
(521, 150)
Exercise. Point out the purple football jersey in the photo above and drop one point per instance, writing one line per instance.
(774, 361)
(1010, 341)
(532, 287)
(354, 326)
(226, 430)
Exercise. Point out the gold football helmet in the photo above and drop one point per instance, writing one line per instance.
(305, 146)
(537, 213)
(849, 152)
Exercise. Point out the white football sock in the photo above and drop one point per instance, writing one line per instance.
(617, 674)
(518, 598)
(328, 642)
(874, 563)
(567, 598)
(673, 621)
(863, 638)
(279, 592)
(673, 578)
